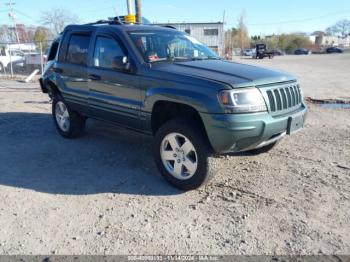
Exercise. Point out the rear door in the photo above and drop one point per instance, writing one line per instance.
(72, 69)
(114, 95)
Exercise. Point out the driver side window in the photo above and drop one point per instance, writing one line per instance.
(181, 48)
(106, 49)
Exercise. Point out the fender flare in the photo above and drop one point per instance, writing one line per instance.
(199, 101)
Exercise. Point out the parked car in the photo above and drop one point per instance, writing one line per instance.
(331, 50)
(16, 57)
(277, 52)
(192, 102)
(248, 52)
(302, 51)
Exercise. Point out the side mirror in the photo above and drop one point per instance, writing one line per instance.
(121, 63)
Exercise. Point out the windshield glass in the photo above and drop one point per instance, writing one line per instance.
(170, 46)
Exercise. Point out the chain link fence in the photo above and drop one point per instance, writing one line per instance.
(19, 60)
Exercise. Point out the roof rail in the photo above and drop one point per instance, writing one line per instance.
(120, 20)
(169, 26)
(111, 21)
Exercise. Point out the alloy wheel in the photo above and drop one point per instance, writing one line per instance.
(179, 156)
(62, 116)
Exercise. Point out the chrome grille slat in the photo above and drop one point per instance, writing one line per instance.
(278, 99)
(272, 100)
(298, 92)
(288, 97)
(293, 96)
(283, 98)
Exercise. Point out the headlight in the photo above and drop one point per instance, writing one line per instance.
(243, 100)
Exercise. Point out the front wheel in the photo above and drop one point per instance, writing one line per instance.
(69, 123)
(181, 153)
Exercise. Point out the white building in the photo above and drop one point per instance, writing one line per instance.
(210, 34)
(332, 41)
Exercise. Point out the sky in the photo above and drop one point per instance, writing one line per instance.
(263, 17)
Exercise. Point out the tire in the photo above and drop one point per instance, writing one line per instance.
(1, 67)
(74, 123)
(193, 160)
(264, 149)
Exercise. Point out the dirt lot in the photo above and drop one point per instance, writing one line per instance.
(102, 194)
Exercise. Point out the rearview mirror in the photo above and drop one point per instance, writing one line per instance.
(121, 63)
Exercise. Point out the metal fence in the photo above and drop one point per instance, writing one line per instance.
(18, 60)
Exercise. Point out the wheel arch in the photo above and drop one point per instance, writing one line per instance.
(50, 87)
(164, 111)
(204, 101)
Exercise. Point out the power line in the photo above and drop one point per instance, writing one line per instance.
(25, 15)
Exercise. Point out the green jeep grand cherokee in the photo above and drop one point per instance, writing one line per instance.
(165, 83)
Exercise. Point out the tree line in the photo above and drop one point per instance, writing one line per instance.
(238, 37)
(52, 22)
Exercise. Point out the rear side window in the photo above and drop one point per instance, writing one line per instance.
(53, 51)
(78, 49)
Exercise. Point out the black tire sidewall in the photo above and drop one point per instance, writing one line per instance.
(77, 122)
(194, 133)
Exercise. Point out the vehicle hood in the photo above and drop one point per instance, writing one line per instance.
(234, 74)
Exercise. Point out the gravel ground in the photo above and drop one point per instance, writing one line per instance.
(102, 194)
(322, 76)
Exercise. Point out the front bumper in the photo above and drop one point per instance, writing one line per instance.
(242, 132)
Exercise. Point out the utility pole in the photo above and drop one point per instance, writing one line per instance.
(12, 15)
(130, 9)
(130, 18)
(138, 6)
(223, 51)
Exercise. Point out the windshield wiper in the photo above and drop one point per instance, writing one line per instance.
(205, 58)
(177, 59)
(159, 60)
(213, 58)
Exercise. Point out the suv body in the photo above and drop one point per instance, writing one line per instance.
(194, 103)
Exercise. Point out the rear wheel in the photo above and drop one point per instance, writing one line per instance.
(181, 153)
(69, 123)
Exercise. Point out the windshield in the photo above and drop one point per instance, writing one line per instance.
(170, 46)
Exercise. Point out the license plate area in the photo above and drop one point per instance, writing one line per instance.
(295, 123)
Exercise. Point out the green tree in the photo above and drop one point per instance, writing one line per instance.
(41, 36)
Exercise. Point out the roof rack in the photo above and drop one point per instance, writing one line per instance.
(168, 26)
(120, 20)
(111, 21)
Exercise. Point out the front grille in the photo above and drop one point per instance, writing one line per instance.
(283, 98)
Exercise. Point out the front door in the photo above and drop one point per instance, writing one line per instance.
(114, 94)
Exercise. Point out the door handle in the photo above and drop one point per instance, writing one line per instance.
(57, 70)
(94, 77)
